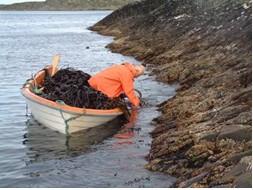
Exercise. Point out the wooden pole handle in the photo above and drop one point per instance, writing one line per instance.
(55, 62)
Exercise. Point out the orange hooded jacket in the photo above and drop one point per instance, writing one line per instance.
(116, 80)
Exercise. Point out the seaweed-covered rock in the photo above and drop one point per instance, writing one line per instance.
(205, 46)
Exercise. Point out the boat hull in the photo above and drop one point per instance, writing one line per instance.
(61, 117)
(65, 122)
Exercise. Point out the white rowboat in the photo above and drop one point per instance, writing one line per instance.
(59, 116)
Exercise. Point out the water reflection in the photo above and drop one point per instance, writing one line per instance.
(45, 144)
(127, 131)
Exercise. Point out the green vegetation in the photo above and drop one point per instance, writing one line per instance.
(62, 5)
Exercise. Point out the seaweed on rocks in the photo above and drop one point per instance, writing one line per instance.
(205, 46)
(71, 86)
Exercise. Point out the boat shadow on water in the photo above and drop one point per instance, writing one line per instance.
(45, 144)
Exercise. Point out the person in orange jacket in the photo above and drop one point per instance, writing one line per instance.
(118, 79)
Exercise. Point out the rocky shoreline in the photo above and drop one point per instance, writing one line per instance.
(204, 135)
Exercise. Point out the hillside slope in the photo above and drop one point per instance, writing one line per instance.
(204, 133)
(67, 5)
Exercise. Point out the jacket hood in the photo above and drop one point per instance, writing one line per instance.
(131, 68)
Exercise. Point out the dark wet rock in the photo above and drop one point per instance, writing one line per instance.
(24, 141)
(244, 180)
(237, 157)
(163, 128)
(25, 136)
(195, 179)
(240, 175)
(236, 132)
(210, 136)
(205, 45)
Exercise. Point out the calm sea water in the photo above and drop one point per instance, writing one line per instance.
(34, 156)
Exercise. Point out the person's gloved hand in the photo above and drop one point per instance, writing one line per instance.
(135, 107)
(142, 102)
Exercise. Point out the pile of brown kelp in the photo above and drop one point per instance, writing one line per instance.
(71, 86)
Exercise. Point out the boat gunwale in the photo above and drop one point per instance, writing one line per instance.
(26, 92)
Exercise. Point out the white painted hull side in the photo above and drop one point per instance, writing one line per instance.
(52, 118)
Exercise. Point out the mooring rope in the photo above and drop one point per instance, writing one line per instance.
(66, 120)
